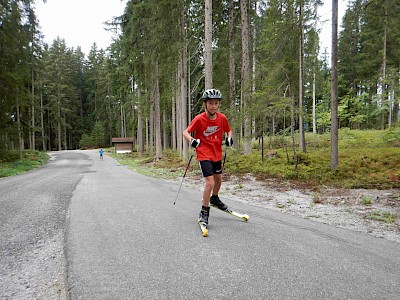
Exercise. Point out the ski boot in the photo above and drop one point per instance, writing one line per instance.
(203, 220)
(203, 215)
(216, 202)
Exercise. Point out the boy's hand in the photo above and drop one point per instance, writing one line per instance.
(229, 142)
(195, 143)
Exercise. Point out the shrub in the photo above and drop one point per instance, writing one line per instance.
(86, 142)
(392, 136)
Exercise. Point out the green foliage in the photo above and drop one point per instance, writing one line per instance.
(96, 139)
(366, 44)
(365, 161)
(392, 136)
(11, 165)
(366, 200)
(74, 93)
(381, 216)
(86, 142)
(169, 167)
(98, 135)
(9, 156)
(364, 166)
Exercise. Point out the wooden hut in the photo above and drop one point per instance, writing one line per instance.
(123, 145)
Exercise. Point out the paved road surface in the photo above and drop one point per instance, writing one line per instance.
(124, 239)
(33, 209)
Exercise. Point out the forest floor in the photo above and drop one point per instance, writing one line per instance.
(374, 212)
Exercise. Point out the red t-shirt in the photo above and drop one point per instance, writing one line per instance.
(210, 133)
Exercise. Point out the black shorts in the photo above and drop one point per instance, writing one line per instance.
(209, 168)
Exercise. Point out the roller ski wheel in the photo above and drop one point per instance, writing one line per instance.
(203, 220)
(203, 228)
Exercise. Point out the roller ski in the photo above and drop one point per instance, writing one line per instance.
(203, 220)
(217, 203)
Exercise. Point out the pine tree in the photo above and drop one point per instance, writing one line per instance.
(245, 79)
(334, 95)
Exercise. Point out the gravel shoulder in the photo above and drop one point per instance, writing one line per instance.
(361, 210)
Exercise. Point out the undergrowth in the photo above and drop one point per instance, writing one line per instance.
(367, 159)
(11, 164)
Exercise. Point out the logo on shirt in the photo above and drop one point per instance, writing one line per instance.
(210, 130)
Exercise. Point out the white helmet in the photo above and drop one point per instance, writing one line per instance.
(212, 94)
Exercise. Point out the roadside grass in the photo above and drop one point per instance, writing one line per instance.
(366, 200)
(169, 167)
(11, 164)
(367, 159)
(381, 216)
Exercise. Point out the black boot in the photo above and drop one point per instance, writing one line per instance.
(215, 201)
(203, 215)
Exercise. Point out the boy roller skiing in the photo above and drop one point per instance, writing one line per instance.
(209, 128)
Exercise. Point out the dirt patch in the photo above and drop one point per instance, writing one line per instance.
(375, 212)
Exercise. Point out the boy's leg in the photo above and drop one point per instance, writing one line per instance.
(217, 184)
(207, 170)
(208, 188)
(205, 209)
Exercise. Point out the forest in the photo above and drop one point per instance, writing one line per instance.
(264, 56)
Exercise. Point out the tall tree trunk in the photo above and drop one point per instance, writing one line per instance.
(157, 111)
(232, 66)
(109, 117)
(121, 112)
(165, 131)
(149, 147)
(65, 132)
(314, 105)
(396, 104)
(49, 132)
(189, 83)
(59, 136)
(183, 81)
(314, 68)
(33, 146)
(174, 123)
(208, 44)
(246, 83)
(151, 128)
(178, 105)
(140, 140)
(302, 143)
(292, 124)
(20, 137)
(334, 91)
(385, 97)
(42, 117)
(253, 71)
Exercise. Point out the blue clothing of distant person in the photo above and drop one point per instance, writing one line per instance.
(101, 153)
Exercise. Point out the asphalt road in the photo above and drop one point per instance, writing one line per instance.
(33, 210)
(122, 238)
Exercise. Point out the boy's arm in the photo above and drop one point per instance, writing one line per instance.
(194, 143)
(187, 135)
(229, 140)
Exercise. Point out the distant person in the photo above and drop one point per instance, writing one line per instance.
(101, 153)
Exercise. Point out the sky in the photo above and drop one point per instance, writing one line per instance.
(80, 22)
(325, 13)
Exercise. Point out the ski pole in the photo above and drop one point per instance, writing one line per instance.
(223, 162)
(187, 167)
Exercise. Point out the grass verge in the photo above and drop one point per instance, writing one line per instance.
(11, 164)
